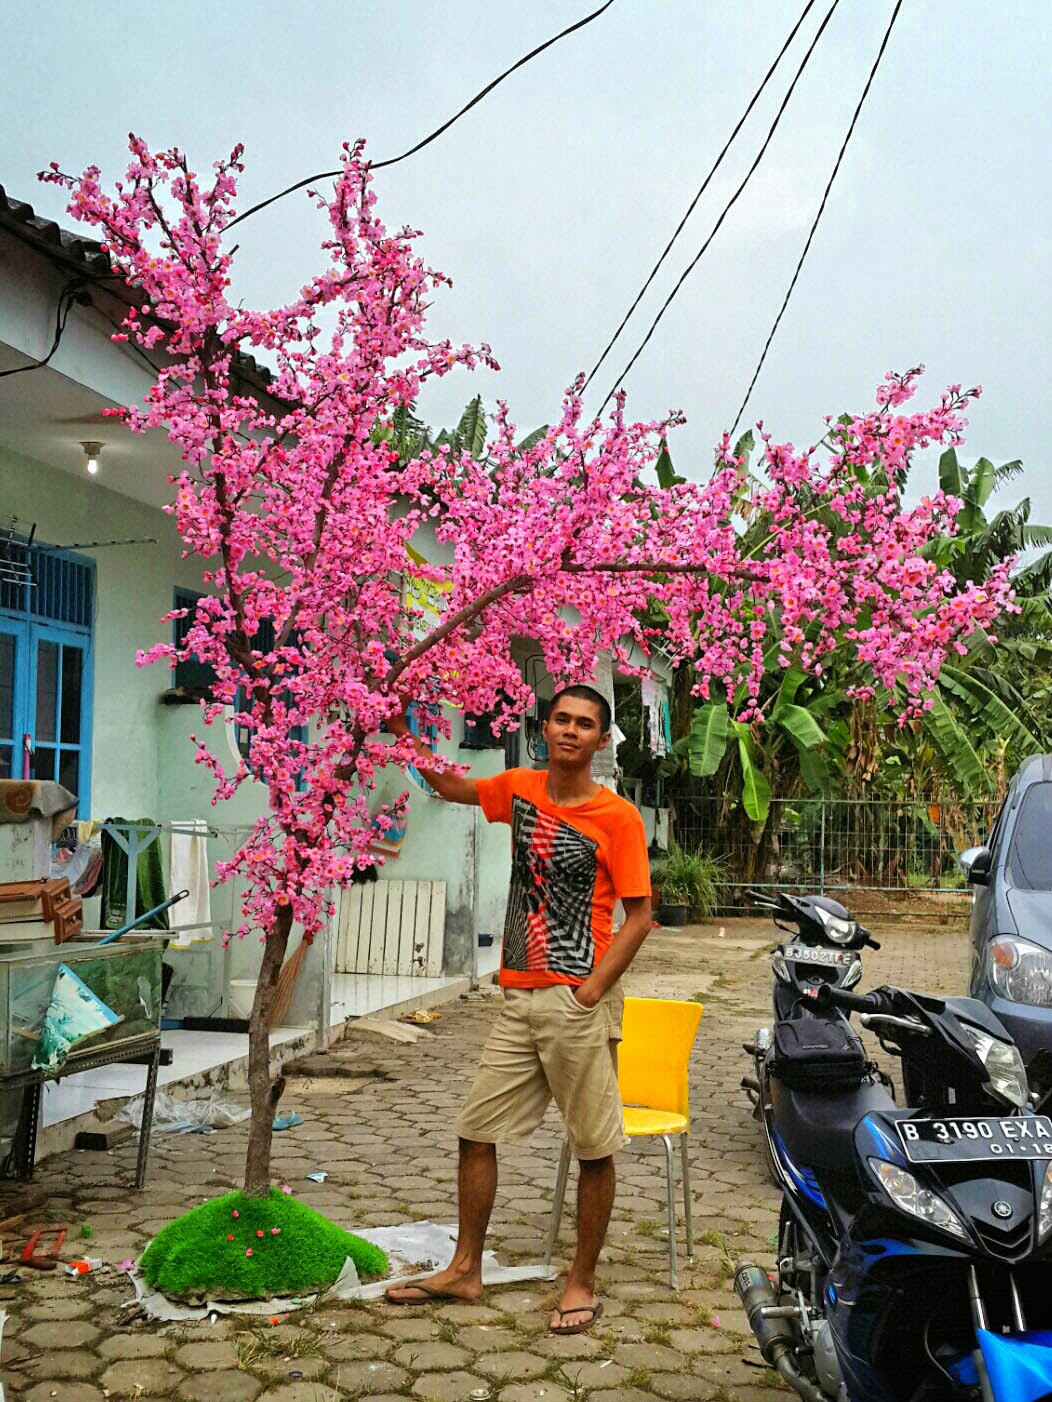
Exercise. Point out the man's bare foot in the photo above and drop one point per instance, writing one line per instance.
(443, 1285)
(577, 1311)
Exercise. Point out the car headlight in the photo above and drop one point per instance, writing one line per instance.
(1020, 971)
(1044, 1213)
(1005, 1072)
(839, 930)
(908, 1195)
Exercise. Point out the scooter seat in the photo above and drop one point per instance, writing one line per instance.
(816, 1127)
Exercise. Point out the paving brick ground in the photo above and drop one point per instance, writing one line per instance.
(389, 1154)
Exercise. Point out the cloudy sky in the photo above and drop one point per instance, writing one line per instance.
(549, 203)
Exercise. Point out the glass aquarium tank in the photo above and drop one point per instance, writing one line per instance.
(126, 976)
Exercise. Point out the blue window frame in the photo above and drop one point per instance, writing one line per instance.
(46, 667)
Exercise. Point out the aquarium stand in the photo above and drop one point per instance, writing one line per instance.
(147, 1047)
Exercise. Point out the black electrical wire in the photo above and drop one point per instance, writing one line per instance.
(380, 165)
(704, 186)
(818, 216)
(728, 206)
(67, 297)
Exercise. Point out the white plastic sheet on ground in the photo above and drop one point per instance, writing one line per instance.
(413, 1249)
(174, 1116)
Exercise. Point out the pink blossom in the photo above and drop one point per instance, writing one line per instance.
(300, 514)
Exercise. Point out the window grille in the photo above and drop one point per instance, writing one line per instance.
(41, 583)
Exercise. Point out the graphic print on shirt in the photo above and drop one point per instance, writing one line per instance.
(548, 927)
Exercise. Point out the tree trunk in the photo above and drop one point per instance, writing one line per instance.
(262, 1095)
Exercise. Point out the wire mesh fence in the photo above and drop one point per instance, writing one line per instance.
(890, 856)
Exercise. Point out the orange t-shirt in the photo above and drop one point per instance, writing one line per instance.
(569, 866)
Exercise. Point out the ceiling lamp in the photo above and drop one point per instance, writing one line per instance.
(92, 453)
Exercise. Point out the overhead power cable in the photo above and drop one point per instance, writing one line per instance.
(728, 206)
(69, 295)
(818, 216)
(704, 186)
(380, 165)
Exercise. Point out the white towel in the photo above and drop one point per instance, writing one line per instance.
(188, 871)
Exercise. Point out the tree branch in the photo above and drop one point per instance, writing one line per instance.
(652, 567)
(518, 584)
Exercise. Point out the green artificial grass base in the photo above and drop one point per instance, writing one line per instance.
(243, 1248)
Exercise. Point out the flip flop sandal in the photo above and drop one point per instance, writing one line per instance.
(596, 1311)
(429, 1292)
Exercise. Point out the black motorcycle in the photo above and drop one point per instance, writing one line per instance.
(823, 947)
(914, 1257)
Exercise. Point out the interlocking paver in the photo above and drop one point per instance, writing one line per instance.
(356, 1346)
(391, 1155)
(65, 1333)
(446, 1387)
(275, 1370)
(378, 1376)
(63, 1363)
(130, 1377)
(207, 1355)
(228, 1385)
(139, 1345)
(430, 1357)
(55, 1310)
(68, 1391)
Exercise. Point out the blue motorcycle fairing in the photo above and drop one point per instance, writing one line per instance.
(873, 1140)
(802, 1176)
(1019, 1365)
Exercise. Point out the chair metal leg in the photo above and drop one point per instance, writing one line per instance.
(673, 1276)
(557, 1203)
(684, 1154)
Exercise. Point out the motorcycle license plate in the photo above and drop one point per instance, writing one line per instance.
(932, 1141)
(816, 954)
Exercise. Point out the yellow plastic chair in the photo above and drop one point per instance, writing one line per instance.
(657, 1037)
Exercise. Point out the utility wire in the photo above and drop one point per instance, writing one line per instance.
(380, 165)
(67, 297)
(704, 186)
(727, 207)
(818, 216)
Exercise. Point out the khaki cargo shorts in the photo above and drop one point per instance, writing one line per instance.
(545, 1044)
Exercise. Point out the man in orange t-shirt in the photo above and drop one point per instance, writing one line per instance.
(577, 849)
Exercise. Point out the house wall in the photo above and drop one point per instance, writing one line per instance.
(141, 759)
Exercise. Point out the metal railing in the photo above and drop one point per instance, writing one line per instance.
(881, 855)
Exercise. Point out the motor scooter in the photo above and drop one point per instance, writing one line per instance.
(824, 947)
(914, 1244)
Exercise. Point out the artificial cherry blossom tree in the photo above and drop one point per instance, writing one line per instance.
(301, 516)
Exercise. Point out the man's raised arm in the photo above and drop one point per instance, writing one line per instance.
(452, 787)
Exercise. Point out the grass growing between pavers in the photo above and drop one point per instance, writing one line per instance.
(238, 1247)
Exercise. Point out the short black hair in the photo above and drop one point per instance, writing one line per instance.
(587, 693)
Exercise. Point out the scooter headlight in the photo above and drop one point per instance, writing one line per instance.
(839, 930)
(909, 1196)
(1006, 1074)
(1044, 1212)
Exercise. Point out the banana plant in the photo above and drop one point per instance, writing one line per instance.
(713, 732)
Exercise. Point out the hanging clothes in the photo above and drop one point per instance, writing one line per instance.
(149, 874)
(652, 694)
(188, 870)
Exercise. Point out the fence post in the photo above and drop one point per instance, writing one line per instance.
(822, 851)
